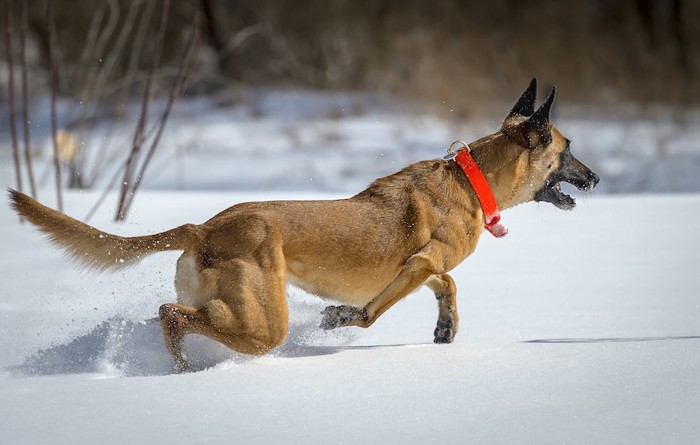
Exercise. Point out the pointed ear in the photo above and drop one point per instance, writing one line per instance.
(525, 106)
(537, 128)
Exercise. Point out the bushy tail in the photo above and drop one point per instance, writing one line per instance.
(92, 248)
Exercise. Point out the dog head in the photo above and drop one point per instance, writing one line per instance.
(549, 160)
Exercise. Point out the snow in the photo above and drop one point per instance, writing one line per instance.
(578, 327)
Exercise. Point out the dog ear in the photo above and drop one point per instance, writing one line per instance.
(525, 106)
(526, 127)
(537, 129)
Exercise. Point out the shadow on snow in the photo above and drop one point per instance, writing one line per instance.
(612, 339)
(121, 348)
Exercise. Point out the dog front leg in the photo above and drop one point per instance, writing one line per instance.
(414, 273)
(448, 319)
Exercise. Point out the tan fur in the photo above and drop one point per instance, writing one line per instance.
(368, 251)
(91, 248)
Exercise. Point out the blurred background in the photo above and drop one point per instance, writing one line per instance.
(327, 95)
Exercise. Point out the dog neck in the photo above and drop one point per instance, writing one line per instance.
(501, 162)
(483, 191)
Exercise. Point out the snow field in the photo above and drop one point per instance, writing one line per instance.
(578, 327)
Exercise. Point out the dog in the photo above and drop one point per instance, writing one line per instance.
(367, 252)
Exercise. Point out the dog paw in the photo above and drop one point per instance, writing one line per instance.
(339, 316)
(444, 332)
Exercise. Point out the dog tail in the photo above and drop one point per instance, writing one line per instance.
(94, 249)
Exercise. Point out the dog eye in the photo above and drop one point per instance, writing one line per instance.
(549, 166)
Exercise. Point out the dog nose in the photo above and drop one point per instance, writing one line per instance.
(593, 178)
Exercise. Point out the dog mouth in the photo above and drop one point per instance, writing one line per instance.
(572, 172)
(552, 193)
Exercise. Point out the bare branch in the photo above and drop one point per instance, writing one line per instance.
(91, 39)
(140, 126)
(93, 93)
(51, 21)
(101, 45)
(124, 85)
(25, 100)
(140, 39)
(178, 88)
(11, 94)
(103, 196)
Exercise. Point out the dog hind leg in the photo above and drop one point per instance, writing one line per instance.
(176, 320)
(249, 313)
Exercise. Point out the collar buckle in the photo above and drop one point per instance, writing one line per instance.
(451, 153)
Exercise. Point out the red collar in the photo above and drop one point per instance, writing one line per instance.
(492, 217)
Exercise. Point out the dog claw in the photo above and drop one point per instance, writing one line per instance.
(339, 316)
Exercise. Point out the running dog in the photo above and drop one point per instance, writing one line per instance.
(367, 252)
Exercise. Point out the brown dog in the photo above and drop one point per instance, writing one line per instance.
(368, 251)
